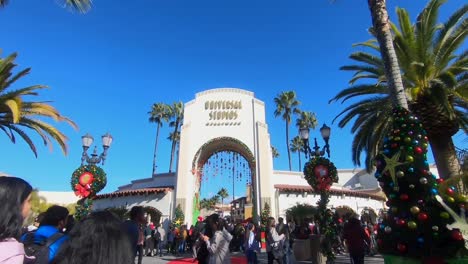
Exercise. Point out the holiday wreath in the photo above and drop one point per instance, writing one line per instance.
(88, 180)
(320, 173)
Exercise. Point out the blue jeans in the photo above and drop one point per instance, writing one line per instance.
(182, 246)
(251, 256)
(287, 251)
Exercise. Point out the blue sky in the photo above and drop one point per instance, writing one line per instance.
(106, 68)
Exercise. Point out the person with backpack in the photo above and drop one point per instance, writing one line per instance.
(15, 197)
(45, 242)
(274, 245)
(252, 245)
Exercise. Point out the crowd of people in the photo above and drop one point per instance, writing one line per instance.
(102, 237)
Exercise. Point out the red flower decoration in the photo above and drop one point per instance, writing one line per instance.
(321, 171)
(86, 178)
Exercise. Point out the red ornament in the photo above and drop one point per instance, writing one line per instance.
(418, 150)
(401, 247)
(404, 197)
(321, 171)
(439, 181)
(394, 145)
(450, 191)
(457, 235)
(422, 216)
(401, 222)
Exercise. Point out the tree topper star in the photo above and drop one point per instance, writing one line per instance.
(391, 164)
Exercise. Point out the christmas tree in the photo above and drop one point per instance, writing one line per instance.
(416, 223)
(179, 217)
(266, 212)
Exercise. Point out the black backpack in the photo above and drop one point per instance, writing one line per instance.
(40, 250)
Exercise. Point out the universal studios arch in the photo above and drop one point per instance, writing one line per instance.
(228, 126)
(224, 120)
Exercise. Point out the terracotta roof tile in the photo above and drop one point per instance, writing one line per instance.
(143, 191)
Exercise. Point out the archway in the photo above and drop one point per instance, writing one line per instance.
(219, 163)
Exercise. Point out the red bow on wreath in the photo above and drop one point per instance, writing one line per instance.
(82, 191)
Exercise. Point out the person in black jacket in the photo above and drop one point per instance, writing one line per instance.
(137, 217)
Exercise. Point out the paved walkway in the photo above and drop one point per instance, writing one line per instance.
(341, 259)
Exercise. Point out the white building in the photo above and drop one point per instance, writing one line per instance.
(230, 119)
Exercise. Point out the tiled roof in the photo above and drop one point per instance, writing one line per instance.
(143, 191)
(374, 194)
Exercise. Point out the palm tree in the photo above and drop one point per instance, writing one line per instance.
(274, 152)
(177, 116)
(204, 204)
(435, 79)
(159, 113)
(286, 106)
(306, 120)
(17, 113)
(81, 6)
(223, 193)
(381, 27)
(297, 145)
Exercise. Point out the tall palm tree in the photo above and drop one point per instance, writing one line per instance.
(287, 105)
(223, 194)
(274, 152)
(158, 114)
(297, 145)
(306, 119)
(16, 112)
(177, 116)
(382, 29)
(435, 78)
(81, 6)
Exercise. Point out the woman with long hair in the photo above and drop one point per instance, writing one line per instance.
(251, 244)
(15, 197)
(99, 238)
(218, 244)
(274, 243)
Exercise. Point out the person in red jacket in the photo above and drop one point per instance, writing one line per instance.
(355, 239)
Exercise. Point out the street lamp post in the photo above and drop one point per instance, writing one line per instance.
(95, 159)
(325, 132)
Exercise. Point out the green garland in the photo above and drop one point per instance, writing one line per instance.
(321, 173)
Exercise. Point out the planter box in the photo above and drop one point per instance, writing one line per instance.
(301, 249)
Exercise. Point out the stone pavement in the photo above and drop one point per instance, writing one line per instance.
(340, 259)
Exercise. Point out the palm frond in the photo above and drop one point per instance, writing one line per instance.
(26, 138)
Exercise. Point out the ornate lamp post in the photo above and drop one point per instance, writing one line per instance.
(89, 179)
(321, 173)
(95, 159)
(325, 131)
